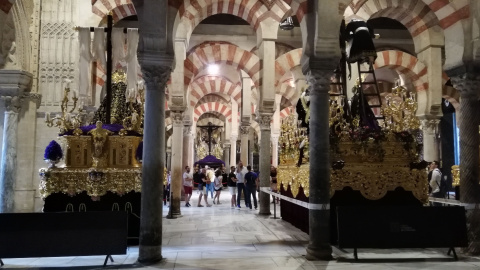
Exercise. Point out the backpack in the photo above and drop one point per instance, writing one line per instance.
(442, 184)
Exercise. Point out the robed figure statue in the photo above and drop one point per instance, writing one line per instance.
(360, 48)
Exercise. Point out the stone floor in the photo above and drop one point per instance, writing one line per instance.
(219, 237)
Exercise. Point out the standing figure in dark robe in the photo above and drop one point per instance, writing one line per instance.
(360, 109)
(360, 48)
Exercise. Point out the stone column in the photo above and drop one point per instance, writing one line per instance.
(274, 139)
(226, 155)
(8, 170)
(319, 216)
(430, 141)
(233, 150)
(177, 171)
(156, 76)
(187, 150)
(169, 159)
(244, 144)
(469, 86)
(264, 120)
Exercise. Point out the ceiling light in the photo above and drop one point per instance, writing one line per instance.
(213, 69)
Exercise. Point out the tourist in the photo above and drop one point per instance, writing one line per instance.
(187, 185)
(251, 181)
(240, 174)
(232, 186)
(218, 186)
(208, 179)
(273, 181)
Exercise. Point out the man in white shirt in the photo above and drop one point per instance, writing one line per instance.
(187, 185)
(240, 173)
(435, 181)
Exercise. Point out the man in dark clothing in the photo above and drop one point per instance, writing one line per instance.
(232, 186)
(251, 180)
(200, 179)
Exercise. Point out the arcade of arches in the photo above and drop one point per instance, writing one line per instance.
(227, 62)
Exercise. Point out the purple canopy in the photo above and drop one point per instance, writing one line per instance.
(210, 160)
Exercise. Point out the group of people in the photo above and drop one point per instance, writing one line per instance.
(240, 179)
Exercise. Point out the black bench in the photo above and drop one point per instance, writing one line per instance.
(25, 235)
(401, 227)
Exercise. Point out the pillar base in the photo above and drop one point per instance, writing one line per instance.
(323, 253)
(149, 255)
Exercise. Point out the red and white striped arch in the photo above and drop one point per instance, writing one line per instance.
(212, 107)
(228, 54)
(417, 15)
(286, 112)
(120, 9)
(254, 124)
(287, 62)
(213, 98)
(192, 12)
(299, 8)
(405, 64)
(286, 90)
(213, 84)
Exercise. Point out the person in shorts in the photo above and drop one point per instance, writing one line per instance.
(187, 185)
(232, 186)
(217, 185)
(200, 179)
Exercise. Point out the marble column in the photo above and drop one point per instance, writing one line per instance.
(244, 144)
(156, 75)
(264, 120)
(274, 140)
(177, 171)
(187, 150)
(169, 159)
(319, 215)
(233, 150)
(8, 170)
(226, 154)
(469, 86)
(430, 141)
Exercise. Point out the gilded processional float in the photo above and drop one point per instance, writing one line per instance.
(101, 149)
(368, 167)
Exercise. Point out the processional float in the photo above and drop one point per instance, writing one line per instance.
(374, 142)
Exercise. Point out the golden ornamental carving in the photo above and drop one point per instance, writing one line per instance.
(372, 180)
(99, 139)
(119, 76)
(95, 182)
(399, 110)
(291, 141)
(67, 120)
(455, 175)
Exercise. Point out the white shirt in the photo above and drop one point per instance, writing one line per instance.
(187, 183)
(435, 180)
(241, 175)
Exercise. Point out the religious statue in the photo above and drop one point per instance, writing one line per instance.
(100, 137)
(361, 112)
(360, 48)
(303, 109)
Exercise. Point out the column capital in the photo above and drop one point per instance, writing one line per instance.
(226, 145)
(468, 84)
(156, 77)
(244, 130)
(264, 119)
(318, 81)
(12, 103)
(430, 125)
(177, 118)
(15, 82)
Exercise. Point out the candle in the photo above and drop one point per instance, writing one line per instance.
(47, 117)
(74, 94)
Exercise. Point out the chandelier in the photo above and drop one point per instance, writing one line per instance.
(287, 24)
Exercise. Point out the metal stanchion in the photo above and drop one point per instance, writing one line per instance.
(170, 215)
